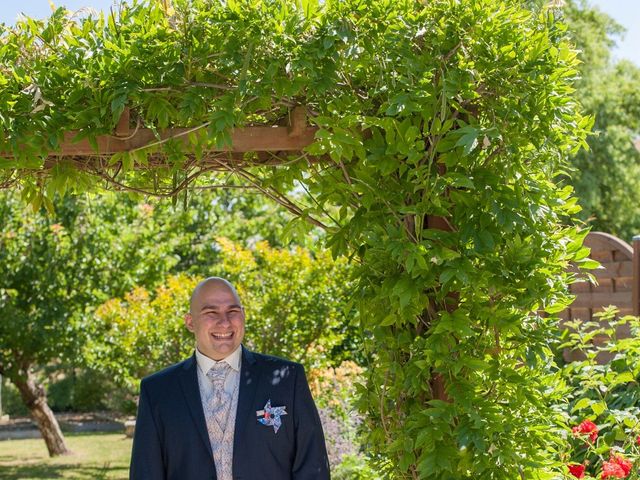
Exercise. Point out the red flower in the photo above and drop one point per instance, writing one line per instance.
(576, 470)
(616, 467)
(612, 470)
(587, 427)
(638, 440)
(623, 462)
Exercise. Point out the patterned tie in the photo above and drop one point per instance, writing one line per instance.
(220, 400)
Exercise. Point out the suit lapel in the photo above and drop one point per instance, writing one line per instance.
(191, 390)
(249, 377)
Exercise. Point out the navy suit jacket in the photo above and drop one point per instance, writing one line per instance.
(171, 440)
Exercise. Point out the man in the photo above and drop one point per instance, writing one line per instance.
(226, 413)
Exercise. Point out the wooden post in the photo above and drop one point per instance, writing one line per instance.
(122, 129)
(635, 297)
(298, 121)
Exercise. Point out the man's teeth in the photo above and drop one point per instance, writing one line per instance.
(222, 335)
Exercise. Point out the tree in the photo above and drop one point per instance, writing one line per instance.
(53, 268)
(607, 175)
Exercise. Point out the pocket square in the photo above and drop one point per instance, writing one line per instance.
(270, 416)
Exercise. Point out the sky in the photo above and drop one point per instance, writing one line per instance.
(626, 12)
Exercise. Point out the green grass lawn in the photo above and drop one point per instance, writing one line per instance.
(95, 456)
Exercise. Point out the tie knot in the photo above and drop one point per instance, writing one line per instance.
(218, 373)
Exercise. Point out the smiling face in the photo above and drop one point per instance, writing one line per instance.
(216, 318)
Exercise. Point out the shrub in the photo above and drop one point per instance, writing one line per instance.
(602, 408)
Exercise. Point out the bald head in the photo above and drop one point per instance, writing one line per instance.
(216, 318)
(211, 284)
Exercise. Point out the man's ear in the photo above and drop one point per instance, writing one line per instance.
(188, 321)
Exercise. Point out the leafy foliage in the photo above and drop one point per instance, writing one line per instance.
(141, 333)
(53, 268)
(243, 218)
(455, 115)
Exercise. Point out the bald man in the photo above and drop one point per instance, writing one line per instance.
(226, 413)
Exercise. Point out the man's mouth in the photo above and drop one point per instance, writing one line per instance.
(222, 336)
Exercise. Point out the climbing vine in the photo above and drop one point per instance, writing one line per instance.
(442, 128)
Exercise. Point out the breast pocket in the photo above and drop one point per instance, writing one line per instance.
(273, 427)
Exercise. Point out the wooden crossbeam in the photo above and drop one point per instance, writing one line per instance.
(292, 138)
(249, 139)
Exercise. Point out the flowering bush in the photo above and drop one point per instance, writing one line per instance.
(334, 392)
(603, 398)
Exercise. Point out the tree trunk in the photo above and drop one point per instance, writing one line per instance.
(35, 399)
(438, 383)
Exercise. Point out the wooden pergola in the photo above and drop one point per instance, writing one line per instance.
(270, 145)
(248, 146)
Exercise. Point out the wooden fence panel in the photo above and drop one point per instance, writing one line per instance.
(618, 284)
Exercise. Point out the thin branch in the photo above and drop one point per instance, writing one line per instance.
(273, 195)
(382, 418)
(448, 56)
(344, 171)
(159, 89)
(222, 185)
(172, 137)
(178, 188)
(304, 187)
(290, 162)
(219, 86)
(138, 123)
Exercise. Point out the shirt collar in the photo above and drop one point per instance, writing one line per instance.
(205, 363)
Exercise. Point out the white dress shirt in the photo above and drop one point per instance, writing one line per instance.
(233, 377)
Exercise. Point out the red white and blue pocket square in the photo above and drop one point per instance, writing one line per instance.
(270, 416)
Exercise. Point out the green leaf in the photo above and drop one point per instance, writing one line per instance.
(581, 404)
(598, 407)
(468, 139)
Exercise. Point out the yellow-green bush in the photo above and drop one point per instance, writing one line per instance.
(294, 304)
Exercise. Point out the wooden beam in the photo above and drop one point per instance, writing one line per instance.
(250, 139)
(292, 138)
(298, 121)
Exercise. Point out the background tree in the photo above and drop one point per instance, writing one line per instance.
(53, 268)
(89, 250)
(607, 176)
(240, 215)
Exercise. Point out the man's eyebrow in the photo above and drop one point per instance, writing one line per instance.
(217, 307)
